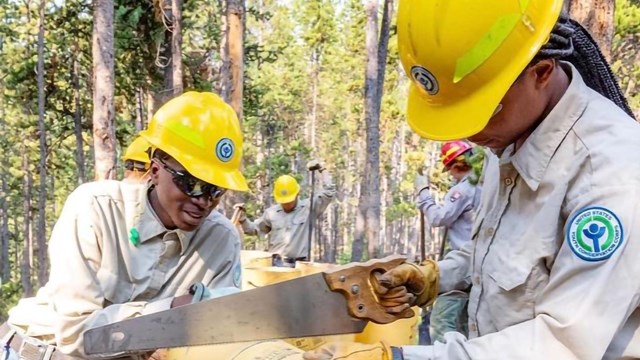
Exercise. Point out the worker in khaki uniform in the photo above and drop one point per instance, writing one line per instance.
(456, 214)
(136, 161)
(553, 262)
(121, 249)
(287, 222)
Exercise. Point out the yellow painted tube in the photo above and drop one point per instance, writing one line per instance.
(399, 332)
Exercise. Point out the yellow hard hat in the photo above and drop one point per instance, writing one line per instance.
(285, 189)
(137, 151)
(462, 57)
(202, 133)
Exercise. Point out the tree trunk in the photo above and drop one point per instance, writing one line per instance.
(5, 269)
(26, 203)
(314, 101)
(235, 42)
(176, 46)
(77, 115)
(104, 136)
(4, 233)
(597, 16)
(368, 220)
(167, 52)
(42, 191)
(139, 110)
(225, 67)
(232, 72)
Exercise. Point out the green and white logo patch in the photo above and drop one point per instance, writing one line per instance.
(595, 233)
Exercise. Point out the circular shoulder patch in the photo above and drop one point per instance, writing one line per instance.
(225, 149)
(594, 233)
(426, 79)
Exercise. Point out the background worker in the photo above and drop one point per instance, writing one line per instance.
(553, 261)
(456, 214)
(122, 249)
(136, 161)
(287, 222)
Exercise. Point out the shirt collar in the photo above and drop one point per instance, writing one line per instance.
(150, 226)
(532, 159)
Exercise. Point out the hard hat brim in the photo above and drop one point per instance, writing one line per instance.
(226, 178)
(285, 199)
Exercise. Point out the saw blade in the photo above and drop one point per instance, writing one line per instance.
(296, 308)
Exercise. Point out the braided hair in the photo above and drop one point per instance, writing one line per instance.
(571, 42)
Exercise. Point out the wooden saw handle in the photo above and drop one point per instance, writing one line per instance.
(354, 281)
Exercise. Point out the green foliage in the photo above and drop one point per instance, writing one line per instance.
(10, 293)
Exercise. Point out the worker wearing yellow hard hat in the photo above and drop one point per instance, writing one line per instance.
(136, 160)
(125, 249)
(288, 222)
(551, 269)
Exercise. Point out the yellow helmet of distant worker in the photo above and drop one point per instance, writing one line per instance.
(137, 152)
(463, 56)
(202, 133)
(285, 189)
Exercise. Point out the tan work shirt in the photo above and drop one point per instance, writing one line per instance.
(289, 232)
(101, 272)
(554, 266)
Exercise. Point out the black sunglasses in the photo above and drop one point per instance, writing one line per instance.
(192, 186)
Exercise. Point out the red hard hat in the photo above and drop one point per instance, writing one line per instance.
(452, 149)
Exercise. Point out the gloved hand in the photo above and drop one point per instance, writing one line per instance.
(421, 182)
(242, 214)
(314, 165)
(421, 281)
(350, 351)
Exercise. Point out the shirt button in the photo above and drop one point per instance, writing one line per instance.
(476, 279)
(490, 231)
(473, 327)
(508, 181)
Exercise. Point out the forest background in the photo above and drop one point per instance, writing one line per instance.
(308, 79)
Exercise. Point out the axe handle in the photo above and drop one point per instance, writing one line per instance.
(423, 255)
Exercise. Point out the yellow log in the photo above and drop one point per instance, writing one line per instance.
(309, 268)
(239, 351)
(255, 258)
(254, 277)
(399, 332)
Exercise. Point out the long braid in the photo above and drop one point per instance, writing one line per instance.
(570, 41)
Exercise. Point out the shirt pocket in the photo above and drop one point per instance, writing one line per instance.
(301, 217)
(279, 223)
(511, 290)
(115, 291)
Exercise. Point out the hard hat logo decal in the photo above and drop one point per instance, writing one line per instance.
(283, 192)
(425, 79)
(225, 149)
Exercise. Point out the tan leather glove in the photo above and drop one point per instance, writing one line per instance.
(350, 351)
(421, 281)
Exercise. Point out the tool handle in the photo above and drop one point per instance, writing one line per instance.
(356, 282)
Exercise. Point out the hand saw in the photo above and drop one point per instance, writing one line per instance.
(338, 301)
